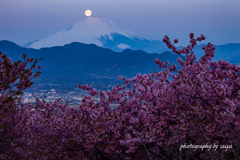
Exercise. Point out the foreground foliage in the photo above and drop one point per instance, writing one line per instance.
(154, 118)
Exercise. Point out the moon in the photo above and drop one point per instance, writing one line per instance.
(88, 13)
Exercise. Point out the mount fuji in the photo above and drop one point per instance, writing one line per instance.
(101, 32)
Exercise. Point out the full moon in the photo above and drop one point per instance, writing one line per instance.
(88, 13)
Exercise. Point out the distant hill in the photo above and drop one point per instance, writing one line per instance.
(76, 63)
(228, 52)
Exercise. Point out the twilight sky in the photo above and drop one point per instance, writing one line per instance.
(23, 21)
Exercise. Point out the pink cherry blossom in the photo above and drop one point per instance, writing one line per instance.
(154, 117)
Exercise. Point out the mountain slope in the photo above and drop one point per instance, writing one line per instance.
(87, 63)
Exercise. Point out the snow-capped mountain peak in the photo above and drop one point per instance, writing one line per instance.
(101, 32)
(90, 30)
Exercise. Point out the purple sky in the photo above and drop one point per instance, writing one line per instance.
(23, 21)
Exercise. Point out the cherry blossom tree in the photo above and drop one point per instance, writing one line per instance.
(14, 78)
(156, 118)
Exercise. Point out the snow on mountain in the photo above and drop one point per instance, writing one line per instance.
(99, 31)
(123, 46)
